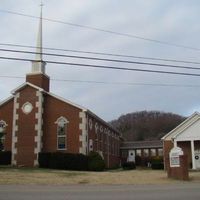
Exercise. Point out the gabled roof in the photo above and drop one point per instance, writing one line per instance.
(66, 101)
(24, 85)
(142, 144)
(59, 98)
(181, 127)
(6, 100)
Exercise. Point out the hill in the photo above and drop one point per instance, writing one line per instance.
(146, 125)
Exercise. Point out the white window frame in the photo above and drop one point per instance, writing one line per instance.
(62, 122)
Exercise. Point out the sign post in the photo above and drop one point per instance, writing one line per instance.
(178, 164)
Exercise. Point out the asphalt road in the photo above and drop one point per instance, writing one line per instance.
(184, 191)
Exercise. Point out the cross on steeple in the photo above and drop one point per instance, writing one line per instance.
(38, 66)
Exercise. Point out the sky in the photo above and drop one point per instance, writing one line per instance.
(171, 22)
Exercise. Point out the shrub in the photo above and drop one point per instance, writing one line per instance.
(157, 163)
(138, 160)
(128, 166)
(67, 161)
(5, 158)
(95, 162)
(44, 159)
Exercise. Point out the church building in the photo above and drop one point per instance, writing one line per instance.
(187, 137)
(35, 120)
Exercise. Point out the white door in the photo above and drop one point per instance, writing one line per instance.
(197, 159)
(131, 156)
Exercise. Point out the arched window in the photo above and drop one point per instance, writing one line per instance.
(2, 134)
(61, 133)
(2, 126)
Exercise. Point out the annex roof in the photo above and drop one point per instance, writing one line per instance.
(142, 144)
(182, 127)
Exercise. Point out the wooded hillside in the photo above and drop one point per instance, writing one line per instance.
(146, 125)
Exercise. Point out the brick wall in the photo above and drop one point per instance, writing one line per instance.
(53, 109)
(25, 128)
(186, 147)
(39, 80)
(167, 146)
(105, 140)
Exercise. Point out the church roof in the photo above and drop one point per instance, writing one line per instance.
(6, 100)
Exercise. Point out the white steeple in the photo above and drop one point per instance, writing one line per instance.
(38, 66)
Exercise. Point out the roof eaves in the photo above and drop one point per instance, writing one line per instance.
(6, 100)
(181, 124)
(67, 101)
(24, 85)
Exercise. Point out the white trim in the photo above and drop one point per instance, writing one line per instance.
(83, 138)
(24, 85)
(64, 122)
(24, 109)
(185, 123)
(193, 155)
(6, 100)
(67, 101)
(15, 128)
(63, 119)
(38, 126)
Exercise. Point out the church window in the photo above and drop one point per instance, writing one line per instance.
(2, 126)
(27, 108)
(2, 134)
(61, 133)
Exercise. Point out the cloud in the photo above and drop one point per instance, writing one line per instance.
(167, 20)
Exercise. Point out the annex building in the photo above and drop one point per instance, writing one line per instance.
(187, 137)
(36, 120)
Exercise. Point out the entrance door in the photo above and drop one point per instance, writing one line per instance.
(197, 159)
(131, 156)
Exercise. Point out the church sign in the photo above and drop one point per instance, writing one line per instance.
(174, 155)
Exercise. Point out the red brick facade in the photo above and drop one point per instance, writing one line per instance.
(31, 116)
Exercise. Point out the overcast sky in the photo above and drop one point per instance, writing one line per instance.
(175, 22)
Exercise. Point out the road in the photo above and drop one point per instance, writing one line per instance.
(183, 191)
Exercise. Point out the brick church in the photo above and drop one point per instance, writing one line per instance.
(35, 120)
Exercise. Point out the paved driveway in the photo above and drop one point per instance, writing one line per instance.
(184, 191)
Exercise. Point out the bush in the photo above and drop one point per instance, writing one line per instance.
(128, 166)
(44, 159)
(138, 160)
(95, 162)
(157, 163)
(67, 161)
(5, 158)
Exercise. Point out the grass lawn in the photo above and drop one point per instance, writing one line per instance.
(10, 175)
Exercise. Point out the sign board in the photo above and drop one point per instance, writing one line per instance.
(131, 156)
(174, 156)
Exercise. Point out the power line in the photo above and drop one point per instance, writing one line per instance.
(103, 67)
(104, 59)
(109, 83)
(102, 53)
(103, 30)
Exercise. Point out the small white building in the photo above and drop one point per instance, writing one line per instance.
(187, 137)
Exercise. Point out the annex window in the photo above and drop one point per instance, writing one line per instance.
(61, 133)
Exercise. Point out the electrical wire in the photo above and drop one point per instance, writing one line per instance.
(103, 66)
(102, 53)
(109, 83)
(104, 59)
(103, 30)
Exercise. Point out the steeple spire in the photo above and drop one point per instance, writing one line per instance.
(37, 76)
(38, 66)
